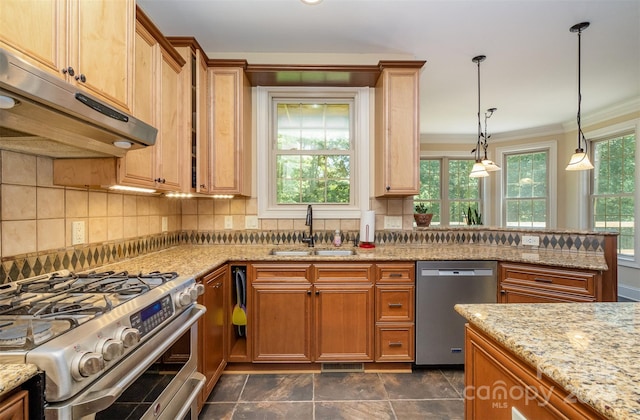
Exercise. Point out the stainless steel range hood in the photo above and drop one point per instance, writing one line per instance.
(43, 115)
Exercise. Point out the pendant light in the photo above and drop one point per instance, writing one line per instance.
(580, 159)
(489, 165)
(478, 170)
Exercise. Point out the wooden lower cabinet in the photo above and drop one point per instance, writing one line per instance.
(211, 329)
(395, 312)
(312, 312)
(529, 283)
(499, 384)
(15, 406)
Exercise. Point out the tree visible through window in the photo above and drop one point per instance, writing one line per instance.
(314, 153)
(613, 189)
(526, 197)
(448, 193)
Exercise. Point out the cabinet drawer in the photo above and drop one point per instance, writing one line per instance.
(395, 343)
(280, 273)
(340, 273)
(564, 281)
(392, 273)
(394, 303)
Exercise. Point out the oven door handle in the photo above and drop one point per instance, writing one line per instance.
(97, 401)
(196, 381)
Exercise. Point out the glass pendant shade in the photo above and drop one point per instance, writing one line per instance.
(478, 171)
(579, 161)
(490, 166)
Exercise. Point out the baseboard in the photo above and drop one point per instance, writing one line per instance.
(628, 293)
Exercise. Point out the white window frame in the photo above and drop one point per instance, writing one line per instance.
(444, 178)
(552, 167)
(612, 131)
(267, 208)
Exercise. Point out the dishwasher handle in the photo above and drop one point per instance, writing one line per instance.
(452, 272)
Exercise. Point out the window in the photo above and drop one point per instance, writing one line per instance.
(313, 152)
(447, 190)
(312, 148)
(613, 189)
(526, 189)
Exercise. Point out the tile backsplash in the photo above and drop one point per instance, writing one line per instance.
(36, 220)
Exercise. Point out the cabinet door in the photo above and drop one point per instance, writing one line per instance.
(344, 325)
(511, 294)
(138, 167)
(231, 131)
(101, 36)
(15, 406)
(211, 329)
(282, 322)
(203, 163)
(35, 30)
(397, 150)
(172, 138)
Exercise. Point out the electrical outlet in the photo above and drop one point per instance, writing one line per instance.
(77, 232)
(165, 223)
(228, 222)
(393, 222)
(251, 222)
(530, 240)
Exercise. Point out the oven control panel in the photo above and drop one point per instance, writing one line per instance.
(153, 315)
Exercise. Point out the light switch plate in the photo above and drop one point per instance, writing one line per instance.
(77, 232)
(393, 222)
(251, 222)
(165, 224)
(530, 240)
(228, 222)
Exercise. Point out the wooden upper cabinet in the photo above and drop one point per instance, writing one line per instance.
(138, 167)
(87, 43)
(397, 134)
(230, 127)
(194, 102)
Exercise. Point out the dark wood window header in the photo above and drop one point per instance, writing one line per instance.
(314, 75)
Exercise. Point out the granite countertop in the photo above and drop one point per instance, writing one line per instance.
(197, 260)
(14, 375)
(590, 349)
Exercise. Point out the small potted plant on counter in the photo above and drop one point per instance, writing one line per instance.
(422, 218)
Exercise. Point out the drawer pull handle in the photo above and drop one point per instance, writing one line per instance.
(395, 275)
(395, 344)
(395, 305)
(543, 280)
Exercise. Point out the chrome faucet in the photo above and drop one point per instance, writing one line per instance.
(309, 222)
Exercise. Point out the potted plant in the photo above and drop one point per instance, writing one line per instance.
(422, 218)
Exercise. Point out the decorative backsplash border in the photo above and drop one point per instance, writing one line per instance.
(91, 256)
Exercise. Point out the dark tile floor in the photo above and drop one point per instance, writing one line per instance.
(423, 394)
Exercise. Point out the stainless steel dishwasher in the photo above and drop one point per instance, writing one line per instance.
(439, 286)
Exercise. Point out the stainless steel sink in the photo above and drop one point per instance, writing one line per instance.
(333, 252)
(291, 252)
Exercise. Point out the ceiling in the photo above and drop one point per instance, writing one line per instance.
(530, 74)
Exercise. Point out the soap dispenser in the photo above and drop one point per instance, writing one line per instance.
(337, 239)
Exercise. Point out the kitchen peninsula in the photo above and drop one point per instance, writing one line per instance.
(581, 360)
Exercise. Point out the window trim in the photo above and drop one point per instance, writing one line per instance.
(552, 167)
(267, 209)
(444, 177)
(585, 183)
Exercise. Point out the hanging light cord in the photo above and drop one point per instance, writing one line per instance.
(578, 28)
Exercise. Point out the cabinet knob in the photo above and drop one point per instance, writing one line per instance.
(317, 292)
(81, 77)
(203, 186)
(68, 70)
(388, 188)
(160, 180)
(308, 292)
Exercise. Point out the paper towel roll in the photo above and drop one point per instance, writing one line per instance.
(368, 226)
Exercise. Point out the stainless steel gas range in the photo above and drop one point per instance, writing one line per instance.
(97, 336)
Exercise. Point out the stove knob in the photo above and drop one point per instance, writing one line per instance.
(193, 293)
(86, 364)
(184, 299)
(110, 348)
(129, 336)
(199, 289)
